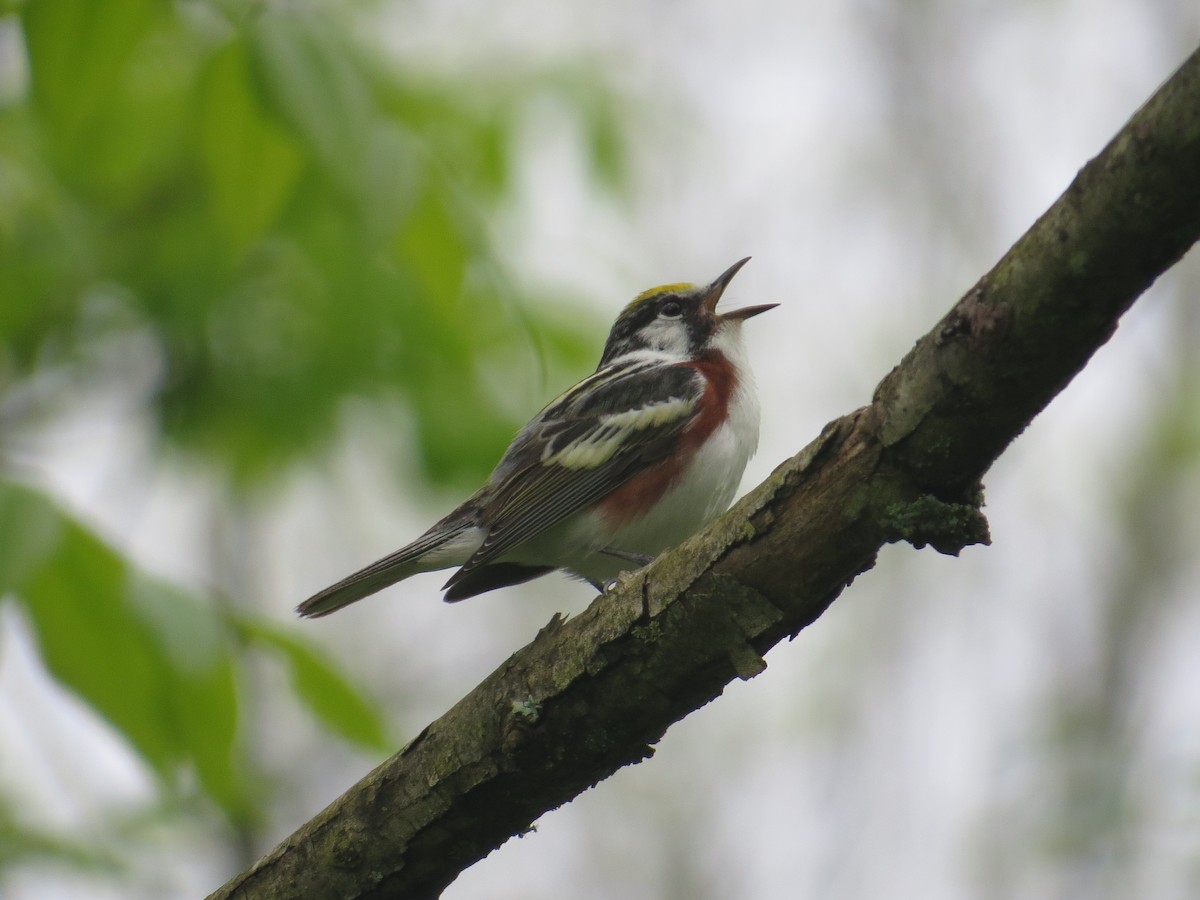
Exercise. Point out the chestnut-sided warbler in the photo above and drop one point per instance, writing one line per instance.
(636, 457)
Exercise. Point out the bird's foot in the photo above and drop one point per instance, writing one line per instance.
(638, 559)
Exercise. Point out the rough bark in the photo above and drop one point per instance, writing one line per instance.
(594, 693)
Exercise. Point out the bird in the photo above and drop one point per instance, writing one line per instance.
(629, 462)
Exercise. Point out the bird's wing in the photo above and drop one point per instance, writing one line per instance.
(584, 445)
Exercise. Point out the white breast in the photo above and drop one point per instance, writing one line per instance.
(702, 492)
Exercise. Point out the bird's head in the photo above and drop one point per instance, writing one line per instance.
(679, 320)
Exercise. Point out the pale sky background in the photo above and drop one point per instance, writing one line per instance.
(875, 159)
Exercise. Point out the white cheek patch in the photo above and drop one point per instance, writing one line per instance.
(668, 336)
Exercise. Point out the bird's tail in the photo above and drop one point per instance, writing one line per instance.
(439, 548)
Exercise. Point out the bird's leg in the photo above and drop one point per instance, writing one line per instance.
(638, 559)
(628, 555)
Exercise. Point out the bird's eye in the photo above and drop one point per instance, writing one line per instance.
(672, 309)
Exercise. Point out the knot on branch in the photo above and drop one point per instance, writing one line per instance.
(946, 527)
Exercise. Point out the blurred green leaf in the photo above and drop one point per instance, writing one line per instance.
(203, 716)
(77, 50)
(328, 694)
(149, 658)
(252, 163)
(310, 72)
(84, 626)
(30, 532)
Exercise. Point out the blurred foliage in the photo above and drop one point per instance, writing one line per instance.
(333, 699)
(293, 222)
(286, 222)
(159, 664)
(1096, 742)
(19, 843)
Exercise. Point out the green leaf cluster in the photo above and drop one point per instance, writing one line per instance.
(160, 664)
(290, 221)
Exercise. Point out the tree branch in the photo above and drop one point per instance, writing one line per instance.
(594, 693)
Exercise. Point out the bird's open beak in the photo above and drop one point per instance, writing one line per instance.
(717, 288)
